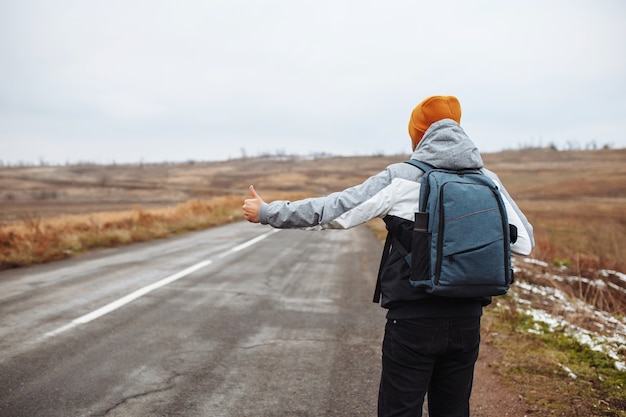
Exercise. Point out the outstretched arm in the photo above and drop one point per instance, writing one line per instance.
(374, 197)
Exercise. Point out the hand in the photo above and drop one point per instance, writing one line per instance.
(251, 206)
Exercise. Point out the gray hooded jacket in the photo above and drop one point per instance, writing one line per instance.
(394, 194)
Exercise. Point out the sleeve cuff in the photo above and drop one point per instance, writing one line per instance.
(263, 214)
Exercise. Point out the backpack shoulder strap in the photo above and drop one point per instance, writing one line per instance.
(386, 250)
(419, 164)
(389, 242)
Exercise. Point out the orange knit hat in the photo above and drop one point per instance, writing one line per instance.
(432, 110)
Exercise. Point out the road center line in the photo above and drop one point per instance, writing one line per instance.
(128, 298)
(149, 288)
(253, 241)
(139, 293)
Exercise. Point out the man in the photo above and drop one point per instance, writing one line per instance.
(431, 343)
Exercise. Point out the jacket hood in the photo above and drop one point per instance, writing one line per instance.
(446, 145)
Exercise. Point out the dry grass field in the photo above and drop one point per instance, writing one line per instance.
(575, 199)
(45, 191)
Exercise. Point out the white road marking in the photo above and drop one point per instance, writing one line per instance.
(139, 293)
(253, 241)
(149, 288)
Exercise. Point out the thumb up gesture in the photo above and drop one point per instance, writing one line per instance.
(251, 206)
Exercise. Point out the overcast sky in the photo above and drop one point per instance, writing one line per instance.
(146, 80)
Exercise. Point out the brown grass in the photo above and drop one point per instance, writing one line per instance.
(36, 240)
(576, 200)
(580, 234)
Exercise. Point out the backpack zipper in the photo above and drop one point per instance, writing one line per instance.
(439, 259)
(507, 238)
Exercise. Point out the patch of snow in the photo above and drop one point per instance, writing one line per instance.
(569, 371)
(535, 262)
(590, 282)
(611, 346)
(603, 333)
(609, 272)
(616, 287)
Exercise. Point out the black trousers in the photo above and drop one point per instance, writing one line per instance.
(434, 356)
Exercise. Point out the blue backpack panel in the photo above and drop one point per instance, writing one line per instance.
(461, 239)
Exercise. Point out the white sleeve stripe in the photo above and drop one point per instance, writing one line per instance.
(400, 198)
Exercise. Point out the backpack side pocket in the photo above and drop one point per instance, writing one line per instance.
(420, 249)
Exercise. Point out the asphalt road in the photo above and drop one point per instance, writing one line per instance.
(238, 320)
